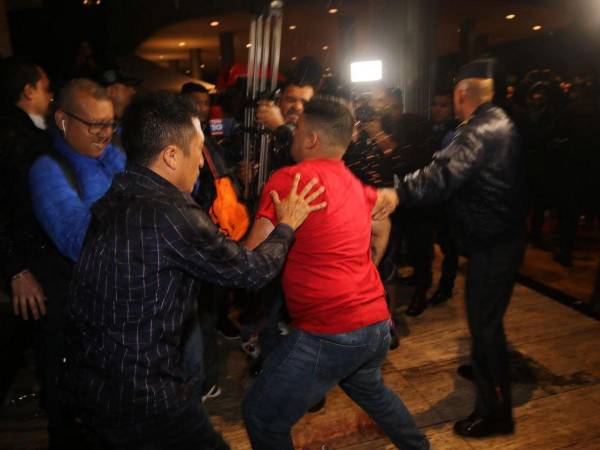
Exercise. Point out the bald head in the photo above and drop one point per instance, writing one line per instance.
(470, 93)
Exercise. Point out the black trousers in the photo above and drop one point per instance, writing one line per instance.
(450, 261)
(489, 284)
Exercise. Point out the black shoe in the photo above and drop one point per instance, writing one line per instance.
(466, 371)
(439, 297)
(228, 330)
(476, 426)
(417, 306)
(317, 406)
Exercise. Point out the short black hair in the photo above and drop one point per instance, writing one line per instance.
(297, 81)
(333, 117)
(190, 87)
(155, 120)
(15, 74)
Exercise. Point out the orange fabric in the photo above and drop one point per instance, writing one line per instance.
(228, 212)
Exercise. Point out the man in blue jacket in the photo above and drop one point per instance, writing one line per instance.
(65, 183)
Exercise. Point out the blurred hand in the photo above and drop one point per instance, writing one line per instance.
(28, 294)
(387, 201)
(269, 115)
(373, 127)
(295, 208)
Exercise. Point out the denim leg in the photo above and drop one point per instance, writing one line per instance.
(366, 387)
(283, 392)
(193, 350)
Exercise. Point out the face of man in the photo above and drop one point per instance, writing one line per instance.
(441, 108)
(91, 137)
(202, 102)
(459, 101)
(41, 95)
(292, 102)
(121, 95)
(193, 161)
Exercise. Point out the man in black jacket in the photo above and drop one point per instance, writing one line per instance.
(132, 302)
(479, 175)
(36, 274)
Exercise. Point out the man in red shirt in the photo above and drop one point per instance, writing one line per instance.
(333, 292)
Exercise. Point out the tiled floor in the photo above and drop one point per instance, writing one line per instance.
(555, 368)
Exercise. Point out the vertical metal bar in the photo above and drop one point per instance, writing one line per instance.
(249, 112)
(266, 48)
(258, 56)
(276, 51)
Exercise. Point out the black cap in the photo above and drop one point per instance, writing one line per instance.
(480, 68)
(113, 76)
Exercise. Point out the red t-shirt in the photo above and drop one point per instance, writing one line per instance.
(330, 284)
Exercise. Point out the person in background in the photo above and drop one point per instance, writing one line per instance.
(66, 182)
(36, 274)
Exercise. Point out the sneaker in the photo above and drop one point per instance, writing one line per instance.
(251, 347)
(212, 392)
(284, 328)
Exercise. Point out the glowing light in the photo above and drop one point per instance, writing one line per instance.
(294, 58)
(361, 71)
(202, 66)
(292, 27)
(182, 44)
(333, 10)
(161, 57)
(215, 23)
(325, 47)
(511, 16)
(248, 45)
(536, 27)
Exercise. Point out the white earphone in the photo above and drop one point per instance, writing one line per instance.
(63, 127)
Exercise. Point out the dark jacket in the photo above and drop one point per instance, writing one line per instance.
(21, 237)
(481, 177)
(135, 287)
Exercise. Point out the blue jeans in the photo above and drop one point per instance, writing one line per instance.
(305, 366)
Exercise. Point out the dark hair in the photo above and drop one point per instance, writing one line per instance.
(295, 81)
(15, 74)
(67, 96)
(155, 120)
(395, 93)
(333, 117)
(190, 87)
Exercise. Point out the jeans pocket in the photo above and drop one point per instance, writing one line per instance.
(336, 361)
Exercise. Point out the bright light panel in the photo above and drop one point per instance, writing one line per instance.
(366, 71)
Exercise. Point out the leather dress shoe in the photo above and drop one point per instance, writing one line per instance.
(394, 340)
(439, 297)
(466, 371)
(476, 426)
(417, 306)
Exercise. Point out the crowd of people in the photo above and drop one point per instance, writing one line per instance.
(125, 236)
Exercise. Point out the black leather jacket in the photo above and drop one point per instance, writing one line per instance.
(480, 176)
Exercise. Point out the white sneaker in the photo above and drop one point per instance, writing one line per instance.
(213, 392)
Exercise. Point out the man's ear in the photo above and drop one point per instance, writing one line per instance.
(312, 138)
(28, 91)
(59, 118)
(171, 157)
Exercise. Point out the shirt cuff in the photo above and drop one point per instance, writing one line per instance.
(284, 231)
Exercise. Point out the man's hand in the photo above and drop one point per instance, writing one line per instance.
(295, 208)
(387, 201)
(269, 115)
(27, 293)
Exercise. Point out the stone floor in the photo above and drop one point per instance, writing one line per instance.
(555, 369)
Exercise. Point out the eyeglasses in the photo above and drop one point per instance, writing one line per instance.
(95, 127)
